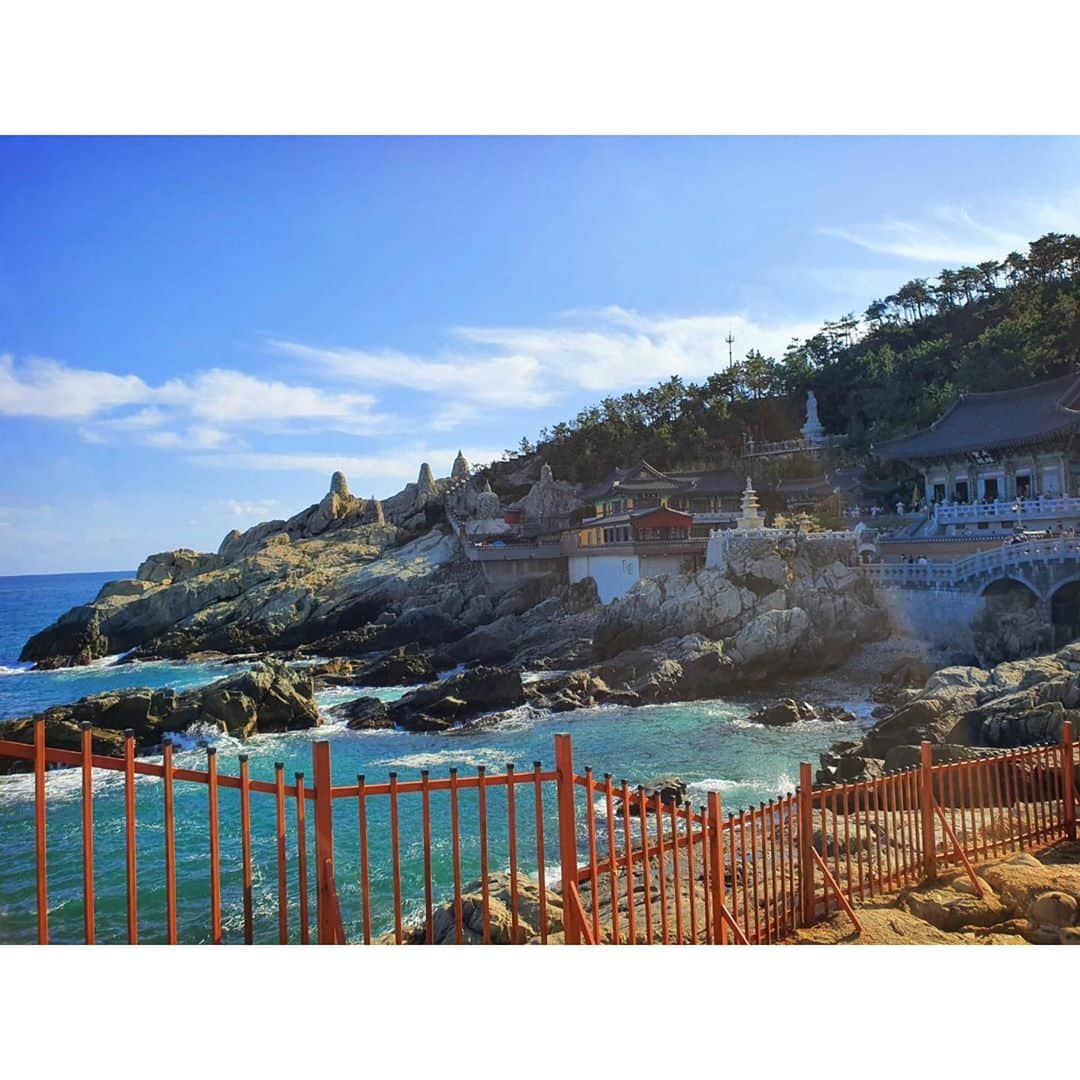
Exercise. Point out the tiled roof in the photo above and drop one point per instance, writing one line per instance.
(1004, 418)
(644, 477)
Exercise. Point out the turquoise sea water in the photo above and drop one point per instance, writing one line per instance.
(709, 744)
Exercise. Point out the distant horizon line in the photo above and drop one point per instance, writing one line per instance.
(65, 573)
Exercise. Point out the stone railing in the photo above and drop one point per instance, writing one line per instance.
(1044, 507)
(789, 446)
(996, 560)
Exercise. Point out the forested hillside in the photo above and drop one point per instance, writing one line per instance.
(893, 368)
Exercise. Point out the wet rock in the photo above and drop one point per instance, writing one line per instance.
(405, 666)
(782, 713)
(363, 714)
(270, 697)
(461, 697)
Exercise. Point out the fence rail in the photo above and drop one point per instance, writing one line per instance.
(634, 868)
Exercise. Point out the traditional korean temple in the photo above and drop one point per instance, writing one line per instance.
(996, 464)
(703, 500)
(999, 446)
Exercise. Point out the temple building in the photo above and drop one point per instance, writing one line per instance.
(696, 503)
(998, 462)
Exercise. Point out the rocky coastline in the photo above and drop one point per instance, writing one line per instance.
(355, 593)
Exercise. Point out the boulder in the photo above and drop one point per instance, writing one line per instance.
(781, 713)
(500, 915)
(270, 697)
(441, 705)
(951, 909)
(925, 718)
(363, 714)
(404, 666)
(771, 637)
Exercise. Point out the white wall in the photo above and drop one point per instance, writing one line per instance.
(614, 574)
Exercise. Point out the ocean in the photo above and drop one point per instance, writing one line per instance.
(709, 744)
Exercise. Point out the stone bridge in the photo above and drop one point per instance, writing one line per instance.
(1043, 575)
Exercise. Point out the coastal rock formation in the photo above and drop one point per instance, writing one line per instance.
(363, 714)
(548, 498)
(461, 697)
(960, 709)
(404, 666)
(777, 599)
(788, 711)
(501, 904)
(269, 697)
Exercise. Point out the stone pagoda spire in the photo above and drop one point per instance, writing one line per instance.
(750, 516)
(461, 467)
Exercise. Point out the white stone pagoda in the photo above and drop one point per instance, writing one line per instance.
(750, 515)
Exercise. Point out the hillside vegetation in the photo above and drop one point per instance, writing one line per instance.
(892, 369)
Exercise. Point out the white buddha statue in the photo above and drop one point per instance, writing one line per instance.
(812, 430)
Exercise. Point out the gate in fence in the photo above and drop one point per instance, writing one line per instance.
(631, 867)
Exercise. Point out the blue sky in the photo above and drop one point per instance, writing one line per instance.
(195, 332)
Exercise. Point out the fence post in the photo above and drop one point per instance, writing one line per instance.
(324, 841)
(1068, 779)
(39, 832)
(805, 802)
(564, 769)
(926, 810)
(716, 867)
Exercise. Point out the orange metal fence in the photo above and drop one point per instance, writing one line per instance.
(653, 871)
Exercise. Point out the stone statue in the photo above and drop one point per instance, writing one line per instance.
(812, 430)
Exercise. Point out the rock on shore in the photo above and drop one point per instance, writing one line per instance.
(961, 709)
(789, 599)
(268, 698)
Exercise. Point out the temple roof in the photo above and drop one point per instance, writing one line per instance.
(1003, 418)
(812, 485)
(644, 477)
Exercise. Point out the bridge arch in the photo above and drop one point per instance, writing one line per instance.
(1065, 612)
(1011, 590)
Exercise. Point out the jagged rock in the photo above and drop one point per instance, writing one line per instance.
(460, 469)
(461, 697)
(926, 718)
(270, 697)
(950, 909)
(500, 915)
(336, 672)
(671, 789)
(487, 503)
(782, 713)
(426, 488)
(771, 636)
(124, 587)
(548, 498)
(405, 666)
(363, 713)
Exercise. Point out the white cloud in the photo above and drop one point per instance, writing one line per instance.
(47, 389)
(387, 471)
(491, 380)
(604, 351)
(208, 402)
(952, 236)
(258, 509)
(234, 397)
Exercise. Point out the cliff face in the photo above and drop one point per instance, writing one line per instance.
(777, 597)
(333, 567)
